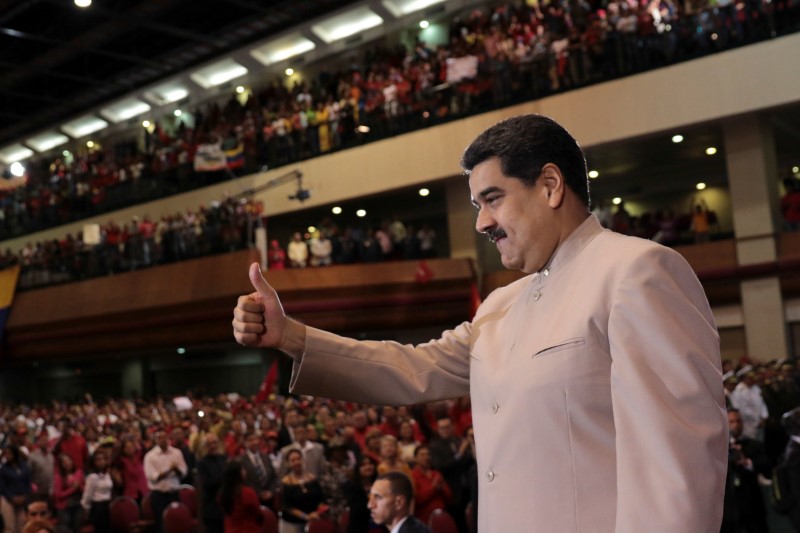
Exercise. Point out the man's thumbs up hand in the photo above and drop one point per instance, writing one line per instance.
(259, 319)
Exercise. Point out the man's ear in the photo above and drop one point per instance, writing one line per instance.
(554, 184)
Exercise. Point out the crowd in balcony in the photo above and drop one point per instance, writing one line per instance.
(495, 56)
(333, 449)
(221, 227)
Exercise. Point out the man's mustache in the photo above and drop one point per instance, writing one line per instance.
(495, 234)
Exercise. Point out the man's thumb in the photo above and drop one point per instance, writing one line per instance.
(257, 279)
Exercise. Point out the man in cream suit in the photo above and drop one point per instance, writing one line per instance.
(595, 381)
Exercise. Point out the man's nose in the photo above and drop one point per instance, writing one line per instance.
(485, 222)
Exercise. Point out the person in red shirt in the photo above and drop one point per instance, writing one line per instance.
(276, 256)
(130, 471)
(239, 502)
(431, 491)
(72, 444)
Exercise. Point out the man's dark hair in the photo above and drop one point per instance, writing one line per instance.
(524, 145)
(37, 498)
(400, 485)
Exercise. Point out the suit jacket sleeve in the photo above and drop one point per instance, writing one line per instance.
(384, 372)
(669, 409)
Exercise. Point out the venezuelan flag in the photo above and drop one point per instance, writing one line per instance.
(235, 157)
(8, 286)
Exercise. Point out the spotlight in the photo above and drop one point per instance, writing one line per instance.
(616, 201)
(301, 195)
(424, 192)
(593, 174)
(711, 150)
(239, 89)
(289, 71)
(337, 210)
(423, 24)
(361, 213)
(145, 123)
(677, 138)
(178, 112)
(700, 186)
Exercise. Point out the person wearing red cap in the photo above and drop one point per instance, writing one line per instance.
(276, 256)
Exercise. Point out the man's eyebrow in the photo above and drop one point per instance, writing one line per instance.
(484, 193)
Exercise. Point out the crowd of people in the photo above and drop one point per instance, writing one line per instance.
(306, 457)
(221, 227)
(303, 457)
(511, 52)
(116, 247)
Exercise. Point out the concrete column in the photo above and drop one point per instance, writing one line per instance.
(753, 181)
(132, 378)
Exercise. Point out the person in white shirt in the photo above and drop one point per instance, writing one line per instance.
(390, 501)
(97, 492)
(164, 467)
(747, 398)
(297, 251)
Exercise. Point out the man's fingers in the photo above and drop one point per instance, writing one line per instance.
(257, 279)
(249, 304)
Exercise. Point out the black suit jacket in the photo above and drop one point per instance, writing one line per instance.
(412, 525)
(251, 473)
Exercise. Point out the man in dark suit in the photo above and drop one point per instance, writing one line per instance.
(744, 509)
(390, 504)
(259, 473)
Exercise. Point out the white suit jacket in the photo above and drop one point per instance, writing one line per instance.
(596, 391)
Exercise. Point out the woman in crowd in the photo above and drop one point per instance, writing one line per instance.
(302, 495)
(97, 492)
(431, 491)
(15, 486)
(67, 490)
(356, 492)
(407, 443)
(239, 502)
(129, 471)
(390, 457)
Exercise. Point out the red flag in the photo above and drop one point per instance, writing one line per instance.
(269, 382)
(423, 273)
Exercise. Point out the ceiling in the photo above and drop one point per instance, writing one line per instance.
(58, 60)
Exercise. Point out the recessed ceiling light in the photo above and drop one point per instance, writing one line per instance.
(423, 24)
(795, 170)
(90, 144)
(289, 71)
(700, 186)
(83, 3)
(177, 112)
(424, 192)
(711, 150)
(181, 351)
(361, 213)
(593, 174)
(362, 129)
(337, 210)
(17, 169)
(239, 89)
(616, 201)
(312, 229)
(677, 138)
(145, 123)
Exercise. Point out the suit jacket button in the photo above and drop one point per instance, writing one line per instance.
(490, 476)
(495, 407)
